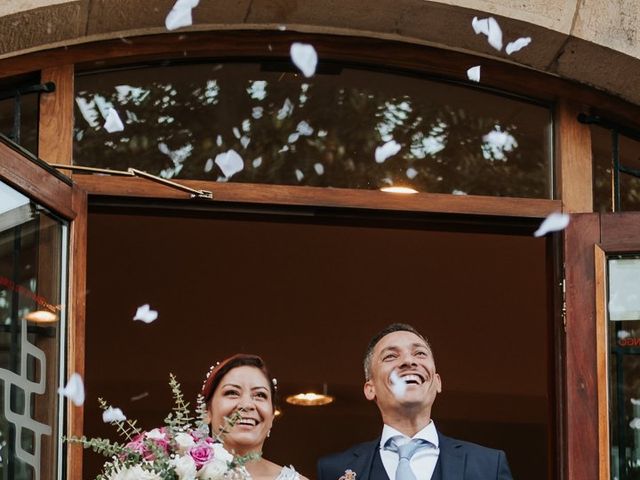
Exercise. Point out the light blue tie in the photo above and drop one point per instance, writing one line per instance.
(405, 452)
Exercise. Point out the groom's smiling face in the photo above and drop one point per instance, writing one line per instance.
(403, 373)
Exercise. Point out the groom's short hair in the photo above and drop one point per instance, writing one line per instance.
(394, 327)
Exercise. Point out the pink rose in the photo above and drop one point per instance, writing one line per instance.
(136, 445)
(140, 443)
(201, 454)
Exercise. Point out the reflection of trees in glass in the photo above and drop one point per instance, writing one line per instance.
(602, 168)
(313, 132)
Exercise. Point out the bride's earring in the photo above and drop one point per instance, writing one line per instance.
(268, 433)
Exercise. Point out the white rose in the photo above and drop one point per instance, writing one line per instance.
(155, 434)
(185, 441)
(134, 473)
(185, 467)
(214, 470)
(220, 453)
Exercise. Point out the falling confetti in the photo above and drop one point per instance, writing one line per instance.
(145, 314)
(135, 398)
(112, 415)
(490, 28)
(229, 162)
(304, 57)
(387, 150)
(519, 44)
(74, 390)
(411, 173)
(180, 14)
(553, 223)
(473, 73)
(398, 385)
(622, 334)
(113, 122)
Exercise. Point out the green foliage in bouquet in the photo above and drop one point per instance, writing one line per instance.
(181, 449)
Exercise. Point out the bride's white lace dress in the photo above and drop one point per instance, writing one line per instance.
(288, 473)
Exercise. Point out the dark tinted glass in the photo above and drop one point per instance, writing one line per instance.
(27, 134)
(629, 156)
(180, 122)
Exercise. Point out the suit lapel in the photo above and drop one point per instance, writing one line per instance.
(363, 459)
(452, 458)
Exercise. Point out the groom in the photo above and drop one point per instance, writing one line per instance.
(401, 378)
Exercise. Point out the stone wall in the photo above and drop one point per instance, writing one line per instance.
(595, 42)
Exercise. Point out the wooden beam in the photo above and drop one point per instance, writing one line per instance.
(574, 164)
(34, 180)
(76, 322)
(602, 354)
(55, 135)
(322, 197)
(581, 394)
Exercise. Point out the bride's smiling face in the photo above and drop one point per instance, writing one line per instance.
(244, 389)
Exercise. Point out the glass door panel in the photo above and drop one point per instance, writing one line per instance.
(624, 364)
(33, 286)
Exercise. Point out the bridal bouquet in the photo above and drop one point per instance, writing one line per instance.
(180, 450)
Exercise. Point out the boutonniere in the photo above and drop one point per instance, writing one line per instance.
(348, 475)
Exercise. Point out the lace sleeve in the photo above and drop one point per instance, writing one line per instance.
(288, 473)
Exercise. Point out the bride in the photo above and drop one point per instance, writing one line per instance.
(242, 383)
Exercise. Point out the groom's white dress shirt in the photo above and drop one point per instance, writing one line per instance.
(423, 462)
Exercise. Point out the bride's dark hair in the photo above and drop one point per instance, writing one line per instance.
(218, 371)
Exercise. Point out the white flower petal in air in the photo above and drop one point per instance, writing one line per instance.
(113, 123)
(74, 390)
(257, 162)
(473, 73)
(180, 14)
(299, 175)
(209, 165)
(135, 398)
(387, 150)
(553, 223)
(635, 401)
(635, 423)
(229, 162)
(145, 314)
(411, 173)
(319, 168)
(304, 57)
(112, 415)
(398, 385)
(490, 28)
(519, 44)
(622, 334)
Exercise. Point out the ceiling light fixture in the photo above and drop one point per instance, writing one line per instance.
(310, 399)
(41, 316)
(404, 190)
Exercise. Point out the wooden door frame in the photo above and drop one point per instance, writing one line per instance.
(589, 240)
(46, 186)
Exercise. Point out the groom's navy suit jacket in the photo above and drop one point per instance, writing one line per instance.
(457, 461)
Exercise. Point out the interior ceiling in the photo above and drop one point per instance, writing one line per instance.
(307, 297)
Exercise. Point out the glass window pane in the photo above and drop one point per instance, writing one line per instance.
(629, 184)
(32, 269)
(629, 156)
(602, 168)
(29, 105)
(181, 122)
(624, 365)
